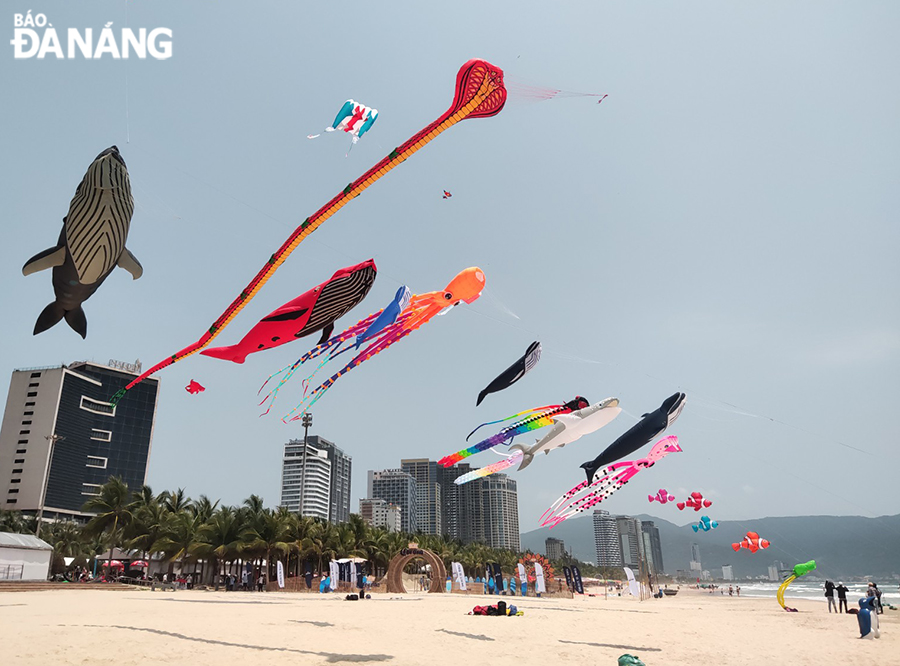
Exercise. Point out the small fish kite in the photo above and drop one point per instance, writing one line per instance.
(465, 287)
(695, 502)
(194, 388)
(447, 195)
(751, 542)
(650, 426)
(567, 428)
(513, 373)
(91, 243)
(316, 310)
(662, 497)
(604, 483)
(536, 418)
(705, 524)
(353, 118)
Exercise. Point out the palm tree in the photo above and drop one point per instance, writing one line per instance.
(112, 506)
(221, 537)
(269, 531)
(175, 502)
(181, 540)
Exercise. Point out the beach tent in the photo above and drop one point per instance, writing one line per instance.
(24, 557)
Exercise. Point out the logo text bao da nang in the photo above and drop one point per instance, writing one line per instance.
(35, 36)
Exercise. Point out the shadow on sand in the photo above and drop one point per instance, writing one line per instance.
(477, 637)
(208, 601)
(313, 622)
(613, 645)
(330, 657)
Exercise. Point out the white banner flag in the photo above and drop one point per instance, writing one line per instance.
(459, 575)
(539, 578)
(335, 571)
(632, 583)
(523, 577)
(279, 567)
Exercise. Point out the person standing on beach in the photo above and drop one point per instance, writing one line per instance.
(842, 597)
(829, 594)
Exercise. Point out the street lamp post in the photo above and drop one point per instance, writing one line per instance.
(307, 423)
(53, 439)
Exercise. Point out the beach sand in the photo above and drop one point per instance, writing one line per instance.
(219, 629)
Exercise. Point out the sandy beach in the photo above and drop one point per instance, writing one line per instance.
(200, 628)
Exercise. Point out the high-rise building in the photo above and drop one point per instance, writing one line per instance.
(396, 487)
(92, 438)
(379, 513)
(631, 540)
(606, 539)
(428, 476)
(554, 549)
(774, 573)
(463, 506)
(501, 512)
(695, 557)
(727, 572)
(325, 484)
(653, 546)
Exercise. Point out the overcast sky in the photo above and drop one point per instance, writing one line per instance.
(724, 224)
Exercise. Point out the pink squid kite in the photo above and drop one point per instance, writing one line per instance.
(604, 483)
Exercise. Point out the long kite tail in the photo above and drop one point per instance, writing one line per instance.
(782, 588)
(318, 350)
(493, 468)
(378, 345)
(509, 418)
(480, 93)
(502, 437)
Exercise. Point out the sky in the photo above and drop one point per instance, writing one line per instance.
(723, 224)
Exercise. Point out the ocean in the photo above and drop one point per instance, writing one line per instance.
(814, 590)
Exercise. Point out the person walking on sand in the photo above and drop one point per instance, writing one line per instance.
(829, 595)
(842, 597)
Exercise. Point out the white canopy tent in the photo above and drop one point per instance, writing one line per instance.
(24, 557)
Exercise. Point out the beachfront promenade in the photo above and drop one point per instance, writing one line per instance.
(218, 629)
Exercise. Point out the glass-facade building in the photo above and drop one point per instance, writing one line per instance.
(92, 438)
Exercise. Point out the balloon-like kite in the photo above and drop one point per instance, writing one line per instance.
(513, 373)
(662, 497)
(316, 310)
(649, 427)
(91, 243)
(607, 481)
(354, 118)
(705, 524)
(536, 418)
(751, 542)
(194, 388)
(465, 287)
(695, 502)
(799, 570)
(566, 429)
(479, 93)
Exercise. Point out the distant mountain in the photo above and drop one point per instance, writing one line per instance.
(843, 546)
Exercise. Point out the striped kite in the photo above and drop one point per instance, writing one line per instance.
(479, 93)
(377, 334)
(91, 243)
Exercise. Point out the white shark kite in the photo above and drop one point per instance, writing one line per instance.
(568, 428)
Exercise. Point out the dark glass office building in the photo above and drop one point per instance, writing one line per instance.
(93, 439)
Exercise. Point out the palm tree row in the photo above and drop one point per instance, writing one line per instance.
(190, 533)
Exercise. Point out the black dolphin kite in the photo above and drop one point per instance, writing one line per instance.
(91, 243)
(648, 428)
(513, 373)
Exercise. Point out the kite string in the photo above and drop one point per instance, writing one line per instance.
(127, 118)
